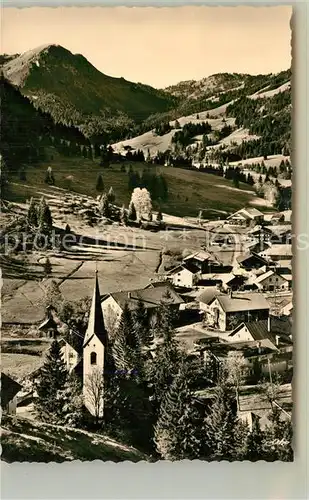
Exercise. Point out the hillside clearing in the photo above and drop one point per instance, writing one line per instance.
(189, 190)
(23, 440)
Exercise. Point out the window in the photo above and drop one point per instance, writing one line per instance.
(93, 358)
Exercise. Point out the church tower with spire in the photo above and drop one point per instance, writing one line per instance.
(94, 356)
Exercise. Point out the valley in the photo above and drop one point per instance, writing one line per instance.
(146, 241)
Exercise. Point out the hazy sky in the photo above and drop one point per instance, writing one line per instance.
(158, 46)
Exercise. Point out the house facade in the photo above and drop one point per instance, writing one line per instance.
(245, 217)
(182, 276)
(70, 355)
(225, 312)
(277, 252)
(271, 281)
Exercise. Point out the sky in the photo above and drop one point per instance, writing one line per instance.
(158, 46)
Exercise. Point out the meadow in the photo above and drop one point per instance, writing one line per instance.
(189, 190)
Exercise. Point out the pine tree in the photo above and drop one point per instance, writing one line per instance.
(45, 218)
(132, 212)
(177, 431)
(141, 325)
(47, 267)
(100, 184)
(73, 405)
(32, 215)
(255, 442)
(126, 347)
(50, 386)
(104, 206)
(168, 355)
(123, 216)
(277, 443)
(220, 424)
(111, 195)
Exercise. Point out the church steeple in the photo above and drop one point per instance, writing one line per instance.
(96, 324)
(94, 356)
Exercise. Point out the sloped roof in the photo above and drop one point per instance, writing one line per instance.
(9, 389)
(278, 250)
(188, 266)
(243, 302)
(48, 324)
(266, 275)
(201, 255)
(260, 329)
(242, 258)
(96, 324)
(151, 297)
(208, 294)
(254, 212)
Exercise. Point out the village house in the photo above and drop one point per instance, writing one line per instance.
(287, 310)
(271, 281)
(245, 217)
(276, 330)
(151, 298)
(251, 260)
(9, 390)
(201, 260)
(49, 327)
(226, 311)
(184, 275)
(277, 252)
(281, 234)
(273, 217)
(70, 355)
(233, 282)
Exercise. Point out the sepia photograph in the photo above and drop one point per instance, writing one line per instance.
(146, 234)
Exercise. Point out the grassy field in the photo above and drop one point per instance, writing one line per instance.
(189, 191)
(23, 440)
(19, 366)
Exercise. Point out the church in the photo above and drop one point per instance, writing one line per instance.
(91, 363)
(94, 355)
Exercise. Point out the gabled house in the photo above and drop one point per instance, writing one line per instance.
(70, 355)
(245, 217)
(151, 297)
(227, 311)
(271, 281)
(275, 330)
(185, 275)
(233, 282)
(9, 390)
(207, 296)
(287, 310)
(201, 260)
(251, 260)
(49, 327)
(277, 252)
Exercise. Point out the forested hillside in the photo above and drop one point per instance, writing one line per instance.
(74, 92)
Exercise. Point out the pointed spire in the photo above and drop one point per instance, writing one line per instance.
(96, 321)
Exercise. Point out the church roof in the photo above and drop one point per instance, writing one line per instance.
(96, 322)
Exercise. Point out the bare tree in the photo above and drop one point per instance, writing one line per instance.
(93, 392)
(235, 365)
